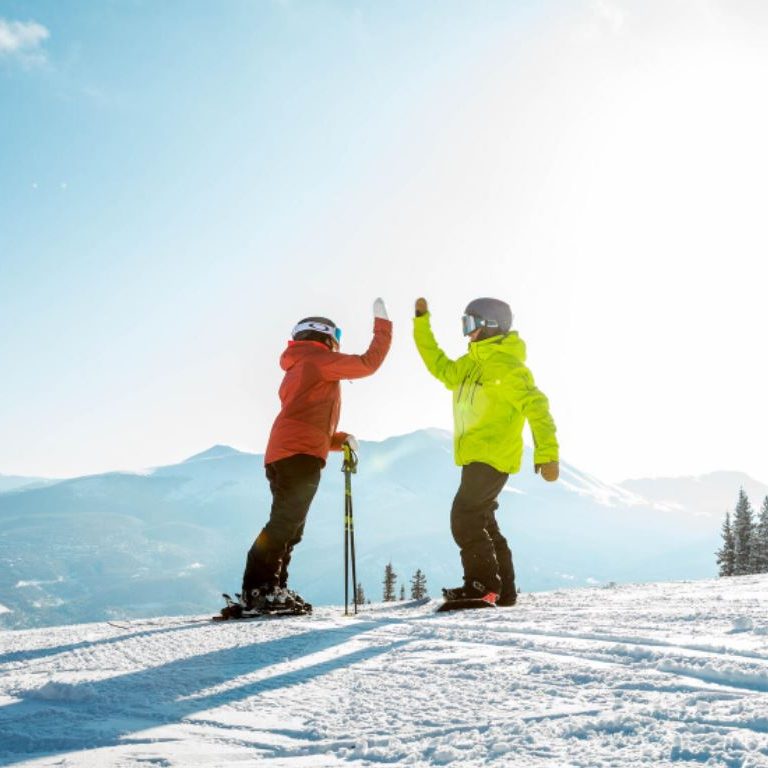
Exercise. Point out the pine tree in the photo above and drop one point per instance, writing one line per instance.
(760, 541)
(418, 585)
(726, 553)
(390, 578)
(402, 592)
(743, 532)
(360, 594)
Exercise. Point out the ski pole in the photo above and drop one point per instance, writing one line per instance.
(349, 467)
(352, 548)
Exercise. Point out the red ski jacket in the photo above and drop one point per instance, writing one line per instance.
(311, 394)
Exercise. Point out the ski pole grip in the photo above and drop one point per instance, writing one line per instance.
(350, 459)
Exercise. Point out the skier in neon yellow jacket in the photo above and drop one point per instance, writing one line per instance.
(494, 394)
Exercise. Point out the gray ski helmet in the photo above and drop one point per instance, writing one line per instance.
(493, 315)
(316, 329)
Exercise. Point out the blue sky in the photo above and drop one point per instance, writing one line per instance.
(181, 181)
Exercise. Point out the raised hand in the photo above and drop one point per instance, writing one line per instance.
(380, 309)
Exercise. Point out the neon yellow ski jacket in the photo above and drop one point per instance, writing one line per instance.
(493, 396)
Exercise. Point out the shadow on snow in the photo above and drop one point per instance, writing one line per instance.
(102, 713)
(15, 657)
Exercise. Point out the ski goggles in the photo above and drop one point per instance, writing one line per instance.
(312, 325)
(470, 323)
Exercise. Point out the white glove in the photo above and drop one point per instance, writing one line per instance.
(380, 309)
(351, 441)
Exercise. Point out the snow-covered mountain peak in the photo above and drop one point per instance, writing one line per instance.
(705, 497)
(215, 452)
(606, 494)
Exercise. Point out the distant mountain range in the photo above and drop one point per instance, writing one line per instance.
(14, 482)
(170, 540)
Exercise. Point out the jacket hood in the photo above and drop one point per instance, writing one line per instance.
(299, 350)
(510, 344)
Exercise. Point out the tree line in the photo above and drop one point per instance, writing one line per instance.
(745, 540)
(418, 587)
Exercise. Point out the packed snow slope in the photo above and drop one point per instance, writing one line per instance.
(170, 540)
(656, 675)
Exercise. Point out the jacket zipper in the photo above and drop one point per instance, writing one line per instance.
(471, 388)
(461, 410)
(474, 391)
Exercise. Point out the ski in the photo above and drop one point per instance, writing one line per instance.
(464, 604)
(226, 615)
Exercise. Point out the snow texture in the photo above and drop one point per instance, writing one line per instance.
(652, 675)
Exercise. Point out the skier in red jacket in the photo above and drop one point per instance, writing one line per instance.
(303, 434)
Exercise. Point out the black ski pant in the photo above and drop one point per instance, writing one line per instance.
(293, 482)
(485, 554)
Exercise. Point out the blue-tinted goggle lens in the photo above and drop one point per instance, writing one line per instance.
(337, 334)
(469, 324)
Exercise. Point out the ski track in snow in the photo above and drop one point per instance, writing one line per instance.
(658, 674)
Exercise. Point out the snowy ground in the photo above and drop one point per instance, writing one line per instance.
(656, 675)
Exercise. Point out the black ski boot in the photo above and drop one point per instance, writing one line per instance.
(277, 600)
(268, 599)
(264, 601)
(508, 597)
(295, 600)
(472, 590)
(473, 594)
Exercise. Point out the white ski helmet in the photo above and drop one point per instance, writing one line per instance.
(317, 329)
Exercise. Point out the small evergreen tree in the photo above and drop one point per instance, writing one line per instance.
(418, 585)
(402, 591)
(390, 578)
(359, 594)
(726, 553)
(743, 528)
(760, 541)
